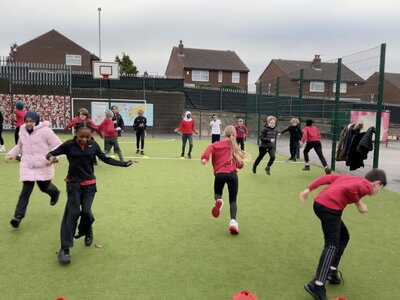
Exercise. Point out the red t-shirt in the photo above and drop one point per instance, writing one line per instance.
(241, 131)
(19, 117)
(77, 120)
(107, 128)
(187, 127)
(342, 190)
(311, 134)
(221, 152)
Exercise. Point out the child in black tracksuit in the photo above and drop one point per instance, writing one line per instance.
(140, 126)
(295, 137)
(81, 186)
(268, 144)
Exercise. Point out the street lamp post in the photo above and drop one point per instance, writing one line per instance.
(99, 9)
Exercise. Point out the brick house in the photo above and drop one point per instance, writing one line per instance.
(203, 67)
(51, 48)
(391, 88)
(319, 79)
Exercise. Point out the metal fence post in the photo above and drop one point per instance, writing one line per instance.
(379, 106)
(277, 97)
(334, 124)
(300, 92)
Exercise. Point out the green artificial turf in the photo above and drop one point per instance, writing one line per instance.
(159, 241)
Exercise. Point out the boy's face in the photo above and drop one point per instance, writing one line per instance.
(83, 135)
(271, 123)
(29, 123)
(240, 123)
(215, 118)
(294, 123)
(82, 116)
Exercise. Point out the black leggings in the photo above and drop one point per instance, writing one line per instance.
(261, 153)
(1, 135)
(240, 142)
(233, 185)
(336, 237)
(318, 149)
(140, 140)
(16, 135)
(45, 186)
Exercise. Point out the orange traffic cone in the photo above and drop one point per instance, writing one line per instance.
(244, 295)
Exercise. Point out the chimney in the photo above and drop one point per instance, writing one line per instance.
(316, 63)
(180, 48)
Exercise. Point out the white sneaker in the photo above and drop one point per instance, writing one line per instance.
(2, 148)
(234, 227)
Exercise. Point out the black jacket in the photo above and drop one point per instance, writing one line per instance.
(81, 161)
(140, 120)
(267, 135)
(118, 121)
(295, 133)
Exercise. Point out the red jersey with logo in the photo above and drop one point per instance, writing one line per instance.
(241, 131)
(187, 127)
(310, 134)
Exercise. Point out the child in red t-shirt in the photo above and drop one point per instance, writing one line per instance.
(328, 206)
(241, 133)
(227, 157)
(187, 128)
(110, 135)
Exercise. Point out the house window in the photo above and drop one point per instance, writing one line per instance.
(317, 86)
(343, 87)
(220, 76)
(199, 75)
(235, 77)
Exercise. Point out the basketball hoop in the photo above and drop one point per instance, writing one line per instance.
(105, 75)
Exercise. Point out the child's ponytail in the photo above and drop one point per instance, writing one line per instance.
(236, 153)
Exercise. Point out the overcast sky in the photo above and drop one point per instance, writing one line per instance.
(257, 30)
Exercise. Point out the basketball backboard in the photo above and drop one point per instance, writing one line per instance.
(105, 70)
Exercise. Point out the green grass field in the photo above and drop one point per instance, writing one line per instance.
(159, 240)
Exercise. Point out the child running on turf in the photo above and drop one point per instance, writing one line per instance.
(241, 133)
(295, 137)
(226, 159)
(109, 133)
(35, 140)
(328, 206)
(312, 136)
(81, 186)
(268, 144)
(187, 128)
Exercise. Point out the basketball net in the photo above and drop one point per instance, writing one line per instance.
(105, 75)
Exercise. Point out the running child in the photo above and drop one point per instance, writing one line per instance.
(312, 138)
(81, 186)
(35, 140)
(226, 159)
(268, 144)
(241, 133)
(295, 137)
(187, 128)
(19, 120)
(328, 206)
(109, 133)
(2, 147)
(118, 120)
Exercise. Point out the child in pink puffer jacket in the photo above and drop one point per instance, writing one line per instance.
(35, 141)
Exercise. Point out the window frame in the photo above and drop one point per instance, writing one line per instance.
(200, 76)
(236, 76)
(343, 87)
(315, 84)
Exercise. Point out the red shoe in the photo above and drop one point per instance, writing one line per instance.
(216, 210)
(234, 227)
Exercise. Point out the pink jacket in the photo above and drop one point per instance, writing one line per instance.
(34, 148)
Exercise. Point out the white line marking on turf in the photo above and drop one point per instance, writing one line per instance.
(166, 141)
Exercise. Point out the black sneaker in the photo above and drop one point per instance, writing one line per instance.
(15, 221)
(334, 278)
(268, 170)
(54, 200)
(328, 170)
(291, 158)
(137, 151)
(306, 168)
(142, 152)
(182, 154)
(189, 156)
(318, 292)
(63, 256)
(294, 159)
(89, 238)
(254, 169)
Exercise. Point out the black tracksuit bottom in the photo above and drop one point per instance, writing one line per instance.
(79, 204)
(336, 237)
(27, 187)
(318, 149)
(231, 179)
(261, 153)
(140, 139)
(294, 148)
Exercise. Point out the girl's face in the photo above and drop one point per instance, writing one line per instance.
(30, 123)
(82, 116)
(271, 123)
(83, 135)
